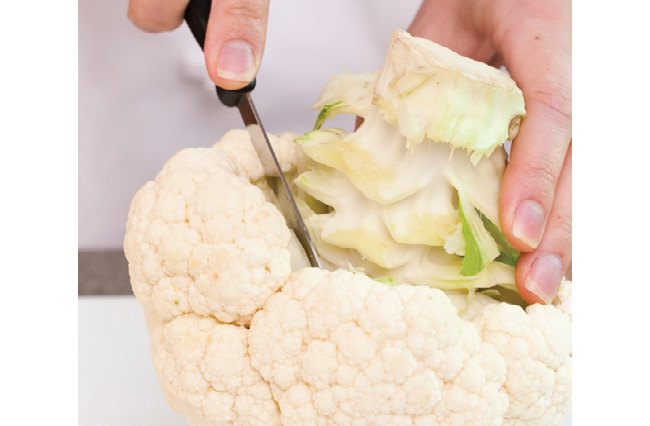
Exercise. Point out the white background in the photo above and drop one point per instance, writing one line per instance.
(143, 97)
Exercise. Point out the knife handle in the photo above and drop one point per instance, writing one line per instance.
(196, 16)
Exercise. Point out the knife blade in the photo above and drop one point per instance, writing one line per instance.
(196, 16)
(275, 177)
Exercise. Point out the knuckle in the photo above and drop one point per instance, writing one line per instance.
(543, 176)
(555, 97)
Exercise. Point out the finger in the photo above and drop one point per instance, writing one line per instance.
(451, 23)
(157, 15)
(538, 273)
(538, 56)
(234, 41)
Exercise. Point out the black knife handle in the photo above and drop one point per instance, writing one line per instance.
(196, 16)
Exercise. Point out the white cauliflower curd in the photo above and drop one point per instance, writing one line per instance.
(412, 322)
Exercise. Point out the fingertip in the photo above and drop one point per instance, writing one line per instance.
(230, 84)
(523, 221)
(538, 277)
(236, 65)
(528, 223)
(235, 41)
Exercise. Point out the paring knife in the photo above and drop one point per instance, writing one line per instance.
(196, 16)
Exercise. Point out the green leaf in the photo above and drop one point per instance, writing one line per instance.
(473, 261)
(480, 247)
(324, 114)
(507, 253)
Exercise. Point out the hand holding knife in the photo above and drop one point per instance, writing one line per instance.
(196, 16)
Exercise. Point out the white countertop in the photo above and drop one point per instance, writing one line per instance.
(117, 382)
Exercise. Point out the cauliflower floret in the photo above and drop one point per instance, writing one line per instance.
(536, 346)
(205, 372)
(202, 239)
(341, 348)
(238, 145)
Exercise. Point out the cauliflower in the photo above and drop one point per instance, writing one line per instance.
(201, 239)
(244, 332)
(205, 371)
(536, 345)
(341, 348)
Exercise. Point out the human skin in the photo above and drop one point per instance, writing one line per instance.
(532, 39)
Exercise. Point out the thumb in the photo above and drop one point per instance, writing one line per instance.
(234, 41)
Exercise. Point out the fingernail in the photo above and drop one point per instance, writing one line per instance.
(529, 223)
(544, 277)
(236, 61)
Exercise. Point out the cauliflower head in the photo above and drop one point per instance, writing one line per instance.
(312, 346)
(244, 332)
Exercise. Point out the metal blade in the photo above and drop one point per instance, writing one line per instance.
(275, 177)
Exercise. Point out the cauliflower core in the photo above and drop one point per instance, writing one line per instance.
(243, 333)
